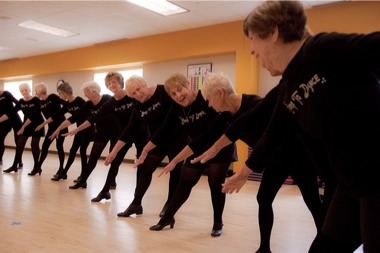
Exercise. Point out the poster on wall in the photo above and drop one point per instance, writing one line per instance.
(196, 74)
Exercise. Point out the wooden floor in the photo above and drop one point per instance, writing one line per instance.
(40, 215)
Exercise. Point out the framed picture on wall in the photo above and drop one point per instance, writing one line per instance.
(196, 74)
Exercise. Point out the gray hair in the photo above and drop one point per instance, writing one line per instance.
(215, 81)
(91, 85)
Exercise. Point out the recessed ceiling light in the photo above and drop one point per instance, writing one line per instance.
(162, 7)
(47, 29)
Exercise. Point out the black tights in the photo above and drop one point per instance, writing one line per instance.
(45, 150)
(145, 172)
(3, 134)
(190, 177)
(96, 152)
(81, 141)
(272, 180)
(114, 168)
(35, 145)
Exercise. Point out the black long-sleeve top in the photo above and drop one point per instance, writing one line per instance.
(118, 114)
(329, 92)
(103, 125)
(48, 107)
(28, 108)
(70, 107)
(217, 128)
(7, 104)
(152, 113)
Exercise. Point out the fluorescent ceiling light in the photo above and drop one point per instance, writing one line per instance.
(162, 7)
(47, 29)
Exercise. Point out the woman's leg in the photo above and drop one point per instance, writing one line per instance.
(273, 178)
(44, 151)
(152, 161)
(370, 223)
(306, 178)
(189, 177)
(95, 154)
(341, 229)
(35, 145)
(114, 168)
(216, 177)
(61, 152)
(3, 134)
(21, 141)
(73, 152)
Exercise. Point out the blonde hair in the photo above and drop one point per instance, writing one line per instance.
(176, 80)
(41, 88)
(91, 85)
(138, 80)
(215, 81)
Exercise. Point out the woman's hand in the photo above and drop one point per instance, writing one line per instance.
(141, 159)
(109, 158)
(169, 167)
(207, 155)
(237, 181)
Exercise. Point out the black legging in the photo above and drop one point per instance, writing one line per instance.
(273, 178)
(45, 150)
(81, 141)
(96, 152)
(35, 145)
(3, 134)
(140, 142)
(190, 177)
(145, 170)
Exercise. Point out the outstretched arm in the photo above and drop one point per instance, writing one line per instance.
(148, 147)
(83, 126)
(40, 126)
(119, 144)
(185, 153)
(26, 123)
(213, 150)
(63, 125)
(4, 117)
(237, 181)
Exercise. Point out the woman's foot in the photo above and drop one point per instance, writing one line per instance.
(163, 223)
(9, 170)
(58, 173)
(59, 177)
(34, 172)
(101, 195)
(78, 185)
(20, 165)
(132, 209)
(77, 180)
(217, 229)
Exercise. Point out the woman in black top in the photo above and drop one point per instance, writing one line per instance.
(27, 105)
(330, 93)
(192, 115)
(49, 104)
(7, 101)
(119, 108)
(71, 105)
(289, 160)
(151, 110)
(104, 127)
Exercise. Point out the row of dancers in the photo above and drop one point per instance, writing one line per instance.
(162, 120)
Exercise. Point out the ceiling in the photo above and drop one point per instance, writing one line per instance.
(104, 21)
